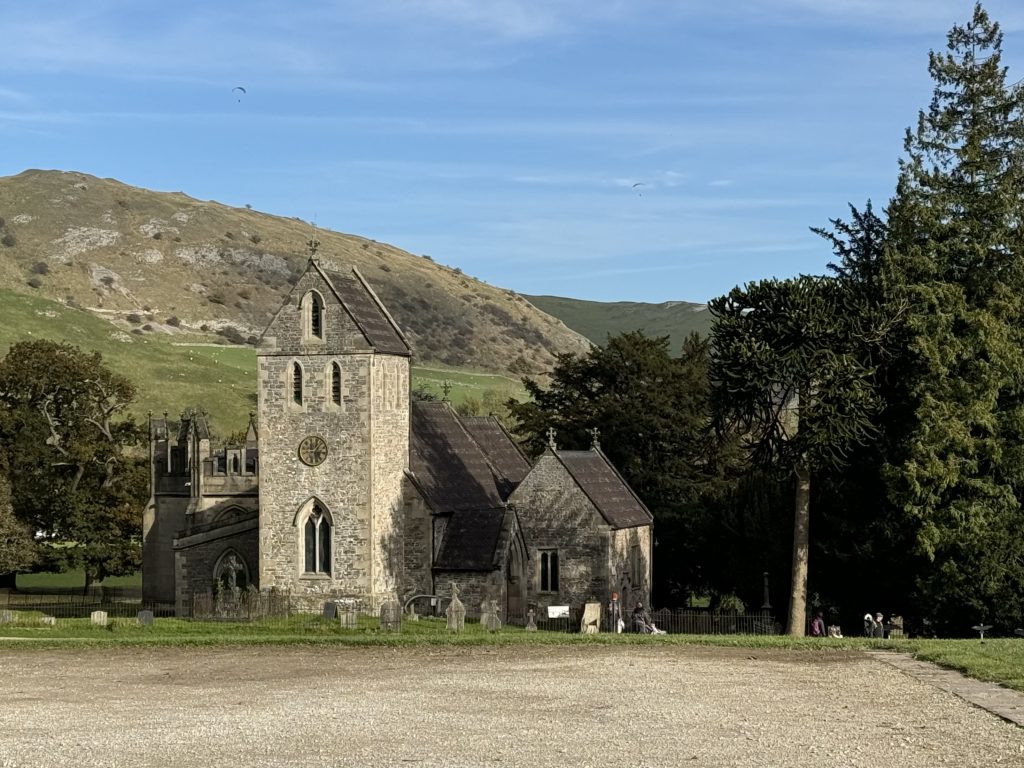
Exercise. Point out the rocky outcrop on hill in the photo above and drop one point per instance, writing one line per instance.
(176, 264)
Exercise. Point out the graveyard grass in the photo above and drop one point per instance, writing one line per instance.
(999, 660)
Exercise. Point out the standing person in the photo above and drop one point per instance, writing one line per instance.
(615, 614)
(818, 625)
(869, 625)
(879, 628)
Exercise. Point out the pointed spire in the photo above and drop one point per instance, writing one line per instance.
(551, 439)
(595, 443)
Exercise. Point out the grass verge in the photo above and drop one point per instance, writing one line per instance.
(1000, 660)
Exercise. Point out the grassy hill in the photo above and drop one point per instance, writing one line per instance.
(173, 267)
(182, 371)
(597, 319)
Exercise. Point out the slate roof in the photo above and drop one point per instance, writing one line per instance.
(506, 458)
(605, 487)
(471, 540)
(449, 467)
(381, 331)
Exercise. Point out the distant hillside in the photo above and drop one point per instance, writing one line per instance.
(165, 265)
(173, 373)
(597, 319)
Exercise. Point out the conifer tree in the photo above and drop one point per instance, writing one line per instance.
(956, 466)
(788, 376)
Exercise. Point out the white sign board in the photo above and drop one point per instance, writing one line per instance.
(558, 611)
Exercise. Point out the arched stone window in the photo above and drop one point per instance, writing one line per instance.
(336, 384)
(312, 309)
(296, 384)
(316, 540)
(231, 572)
(549, 570)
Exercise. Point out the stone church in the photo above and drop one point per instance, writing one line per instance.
(343, 488)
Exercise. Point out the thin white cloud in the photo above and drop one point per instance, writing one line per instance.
(9, 94)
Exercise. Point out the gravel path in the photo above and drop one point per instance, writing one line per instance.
(511, 706)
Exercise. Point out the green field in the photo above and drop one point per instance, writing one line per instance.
(179, 372)
(598, 319)
(72, 579)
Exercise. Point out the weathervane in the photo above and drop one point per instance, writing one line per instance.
(314, 244)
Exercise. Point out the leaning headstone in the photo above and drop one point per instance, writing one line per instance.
(330, 610)
(6, 617)
(49, 621)
(391, 616)
(591, 623)
(145, 618)
(99, 618)
(489, 615)
(456, 611)
(531, 620)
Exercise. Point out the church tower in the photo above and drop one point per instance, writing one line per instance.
(333, 442)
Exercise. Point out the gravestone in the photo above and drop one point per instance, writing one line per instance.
(531, 620)
(348, 618)
(391, 616)
(489, 615)
(591, 623)
(456, 611)
(330, 610)
(49, 621)
(145, 618)
(6, 617)
(99, 618)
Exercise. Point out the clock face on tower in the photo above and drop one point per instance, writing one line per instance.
(313, 450)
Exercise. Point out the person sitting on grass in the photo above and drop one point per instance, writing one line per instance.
(642, 622)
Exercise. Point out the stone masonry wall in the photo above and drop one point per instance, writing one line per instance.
(389, 441)
(360, 481)
(194, 566)
(631, 590)
(555, 514)
(342, 483)
(417, 552)
(162, 519)
(284, 335)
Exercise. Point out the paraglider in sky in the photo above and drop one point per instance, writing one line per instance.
(238, 88)
(639, 184)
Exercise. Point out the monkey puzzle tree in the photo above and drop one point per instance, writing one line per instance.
(788, 376)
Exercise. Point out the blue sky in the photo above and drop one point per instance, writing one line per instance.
(504, 137)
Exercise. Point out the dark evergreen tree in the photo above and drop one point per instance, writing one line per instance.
(651, 410)
(955, 467)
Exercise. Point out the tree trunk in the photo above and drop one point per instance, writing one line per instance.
(797, 624)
